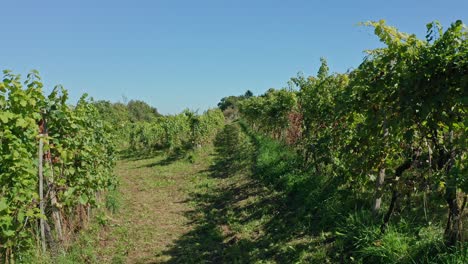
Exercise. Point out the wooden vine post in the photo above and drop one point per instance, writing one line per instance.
(41, 186)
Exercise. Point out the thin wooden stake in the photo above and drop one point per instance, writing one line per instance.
(41, 193)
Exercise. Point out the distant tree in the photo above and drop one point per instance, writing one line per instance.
(112, 112)
(228, 102)
(233, 101)
(323, 70)
(141, 111)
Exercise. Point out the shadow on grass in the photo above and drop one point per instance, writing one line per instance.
(135, 155)
(242, 220)
(171, 157)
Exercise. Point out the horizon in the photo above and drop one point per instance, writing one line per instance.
(176, 55)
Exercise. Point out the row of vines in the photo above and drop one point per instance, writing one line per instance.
(174, 132)
(392, 131)
(77, 164)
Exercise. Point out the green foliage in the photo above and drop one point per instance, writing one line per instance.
(117, 117)
(81, 149)
(19, 114)
(113, 112)
(403, 112)
(175, 132)
(233, 101)
(78, 160)
(230, 104)
(124, 118)
(269, 112)
(205, 127)
(141, 111)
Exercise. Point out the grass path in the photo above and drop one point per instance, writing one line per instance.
(154, 197)
(181, 211)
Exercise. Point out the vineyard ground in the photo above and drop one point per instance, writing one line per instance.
(154, 197)
(177, 210)
(169, 212)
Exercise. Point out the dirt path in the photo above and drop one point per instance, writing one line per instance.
(153, 211)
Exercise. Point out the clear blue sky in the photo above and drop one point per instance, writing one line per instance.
(177, 54)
